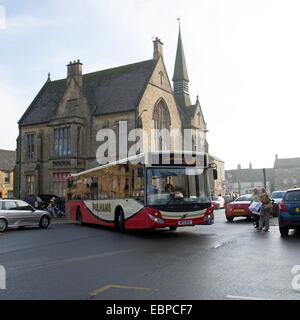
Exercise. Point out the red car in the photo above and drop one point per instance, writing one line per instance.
(218, 202)
(239, 208)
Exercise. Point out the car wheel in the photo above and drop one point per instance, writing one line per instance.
(3, 225)
(173, 228)
(120, 223)
(230, 219)
(44, 223)
(284, 231)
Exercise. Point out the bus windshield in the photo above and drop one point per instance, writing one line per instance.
(177, 186)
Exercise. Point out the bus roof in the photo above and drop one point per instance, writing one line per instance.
(145, 155)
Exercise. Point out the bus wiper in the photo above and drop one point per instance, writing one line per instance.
(174, 196)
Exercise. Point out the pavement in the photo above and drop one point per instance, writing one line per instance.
(227, 261)
(62, 221)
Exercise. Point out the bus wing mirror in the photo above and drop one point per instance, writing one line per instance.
(215, 173)
(140, 172)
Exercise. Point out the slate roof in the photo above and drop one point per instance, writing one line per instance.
(248, 175)
(7, 160)
(287, 163)
(113, 90)
(45, 103)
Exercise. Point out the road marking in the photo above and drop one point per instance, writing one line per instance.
(96, 292)
(225, 243)
(245, 298)
(101, 255)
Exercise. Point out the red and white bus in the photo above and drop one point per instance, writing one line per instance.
(150, 190)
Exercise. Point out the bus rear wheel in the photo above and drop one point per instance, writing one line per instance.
(120, 221)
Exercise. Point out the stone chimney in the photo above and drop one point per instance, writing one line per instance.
(158, 49)
(75, 71)
(276, 156)
(239, 166)
(250, 165)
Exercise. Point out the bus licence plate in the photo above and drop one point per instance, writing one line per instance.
(297, 209)
(185, 223)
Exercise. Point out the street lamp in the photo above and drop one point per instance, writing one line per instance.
(138, 122)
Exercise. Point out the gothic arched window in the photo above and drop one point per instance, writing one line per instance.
(162, 120)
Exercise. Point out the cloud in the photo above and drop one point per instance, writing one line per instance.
(26, 21)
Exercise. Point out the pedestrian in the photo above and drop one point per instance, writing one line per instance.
(255, 198)
(265, 210)
(51, 208)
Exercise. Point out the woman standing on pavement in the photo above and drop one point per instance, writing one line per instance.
(255, 198)
(267, 205)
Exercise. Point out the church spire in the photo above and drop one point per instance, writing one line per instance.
(180, 77)
(180, 70)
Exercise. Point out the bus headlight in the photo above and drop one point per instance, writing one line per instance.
(155, 219)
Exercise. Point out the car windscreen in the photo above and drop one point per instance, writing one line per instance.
(243, 198)
(277, 195)
(292, 196)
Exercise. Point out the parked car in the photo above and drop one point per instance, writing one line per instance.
(41, 201)
(35, 201)
(239, 208)
(18, 213)
(218, 202)
(277, 196)
(289, 216)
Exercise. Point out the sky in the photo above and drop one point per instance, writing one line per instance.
(242, 58)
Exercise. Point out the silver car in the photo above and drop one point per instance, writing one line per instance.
(18, 213)
(277, 196)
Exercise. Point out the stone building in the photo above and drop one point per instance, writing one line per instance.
(286, 173)
(218, 186)
(57, 133)
(243, 181)
(7, 163)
